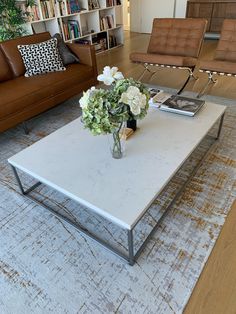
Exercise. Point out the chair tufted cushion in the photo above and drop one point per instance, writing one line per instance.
(177, 37)
(154, 58)
(218, 66)
(226, 49)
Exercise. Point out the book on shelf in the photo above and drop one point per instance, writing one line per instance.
(116, 2)
(34, 12)
(31, 13)
(83, 41)
(110, 3)
(71, 29)
(107, 22)
(112, 41)
(47, 8)
(73, 6)
(182, 105)
(60, 8)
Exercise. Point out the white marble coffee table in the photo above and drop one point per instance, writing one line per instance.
(80, 166)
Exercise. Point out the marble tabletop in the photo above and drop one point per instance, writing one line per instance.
(80, 165)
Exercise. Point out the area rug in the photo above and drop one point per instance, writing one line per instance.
(46, 266)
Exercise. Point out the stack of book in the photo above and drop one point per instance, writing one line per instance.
(182, 105)
(47, 7)
(107, 22)
(100, 45)
(174, 103)
(73, 6)
(71, 29)
(100, 42)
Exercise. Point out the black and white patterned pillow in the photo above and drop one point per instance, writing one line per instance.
(41, 58)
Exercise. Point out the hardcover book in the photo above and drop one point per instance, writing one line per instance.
(182, 105)
(157, 97)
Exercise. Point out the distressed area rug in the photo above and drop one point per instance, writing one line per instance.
(46, 266)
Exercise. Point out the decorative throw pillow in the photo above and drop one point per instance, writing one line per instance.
(41, 58)
(66, 55)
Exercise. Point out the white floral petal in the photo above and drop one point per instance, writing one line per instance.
(108, 80)
(107, 70)
(119, 76)
(124, 98)
(114, 70)
(100, 77)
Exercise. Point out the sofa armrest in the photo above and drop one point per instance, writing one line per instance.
(86, 54)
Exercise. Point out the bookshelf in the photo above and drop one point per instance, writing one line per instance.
(99, 22)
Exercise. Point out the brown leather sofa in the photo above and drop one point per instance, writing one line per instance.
(23, 97)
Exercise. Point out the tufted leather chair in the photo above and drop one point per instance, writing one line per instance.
(174, 43)
(224, 62)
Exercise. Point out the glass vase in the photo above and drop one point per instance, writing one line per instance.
(116, 148)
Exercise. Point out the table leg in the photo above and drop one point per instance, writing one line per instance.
(220, 127)
(131, 247)
(23, 191)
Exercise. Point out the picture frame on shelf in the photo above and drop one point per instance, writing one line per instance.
(93, 4)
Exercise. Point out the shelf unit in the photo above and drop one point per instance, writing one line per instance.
(215, 11)
(99, 22)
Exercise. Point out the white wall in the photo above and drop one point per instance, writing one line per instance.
(180, 8)
(126, 17)
(142, 12)
(135, 15)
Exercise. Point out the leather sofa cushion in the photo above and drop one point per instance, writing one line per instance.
(162, 59)
(218, 66)
(226, 49)
(12, 54)
(181, 37)
(26, 91)
(5, 72)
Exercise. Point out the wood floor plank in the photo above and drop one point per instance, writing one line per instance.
(215, 291)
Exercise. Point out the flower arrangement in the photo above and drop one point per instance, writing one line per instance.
(104, 110)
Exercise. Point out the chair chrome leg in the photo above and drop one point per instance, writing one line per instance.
(190, 75)
(146, 69)
(211, 80)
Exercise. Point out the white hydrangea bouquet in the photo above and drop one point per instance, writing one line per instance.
(105, 110)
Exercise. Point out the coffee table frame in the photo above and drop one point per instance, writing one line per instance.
(131, 256)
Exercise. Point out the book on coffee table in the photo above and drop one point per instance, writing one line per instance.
(158, 96)
(182, 105)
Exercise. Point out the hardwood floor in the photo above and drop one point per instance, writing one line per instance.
(215, 292)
